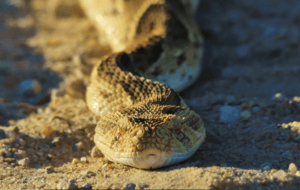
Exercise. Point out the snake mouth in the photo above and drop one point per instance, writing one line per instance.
(147, 159)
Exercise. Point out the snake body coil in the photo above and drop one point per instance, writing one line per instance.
(144, 123)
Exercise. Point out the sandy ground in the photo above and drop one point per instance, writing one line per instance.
(248, 96)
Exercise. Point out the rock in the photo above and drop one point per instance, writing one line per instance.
(75, 161)
(266, 166)
(143, 185)
(87, 173)
(56, 141)
(30, 87)
(218, 183)
(280, 175)
(95, 153)
(24, 162)
(83, 159)
(279, 97)
(86, 186)
(129, 186)
(245, 114)
(229, 114)
(292, 168)
(67, 184)
(78, 146)
(49, 170)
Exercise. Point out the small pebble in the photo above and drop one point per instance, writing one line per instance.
(87, 173)
(30, 87)
(129, 186)
(66, 185)
(280, 175)
(49, 170)
(86, 186)
(245, 114)
(78, 146)
(22, 142)
(75, 161)
(229, 114)
(279, 97)
(143, 185)
(56, 141)
(218, 184)
(96, 153)
(83, 159)
(292, 168)
(266, 166)
(24, 162)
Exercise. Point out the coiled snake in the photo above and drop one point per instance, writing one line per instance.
(144, 123)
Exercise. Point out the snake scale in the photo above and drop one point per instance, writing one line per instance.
(144, 123)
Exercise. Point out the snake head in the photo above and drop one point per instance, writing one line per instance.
(149, 141)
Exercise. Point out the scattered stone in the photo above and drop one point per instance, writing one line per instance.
(78, 146)
(218, 183)
(22, 142)
(67, 185)
(75, 161)
(143, 185)
(229, 114)
(86, 186)
(30, 87)
(96, 153)
(279, 97)
(40, 185)
(292, 168)
(24, 162)
(245, 114)
(280, 175)
(266, 166)
(87, 173)
(21, 154)
(56, 141)
(83, 159)
(49, 170)
(9, 160)
(129, 186)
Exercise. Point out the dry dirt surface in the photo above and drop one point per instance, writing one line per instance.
(248, 96)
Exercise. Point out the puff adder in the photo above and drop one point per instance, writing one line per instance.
(144, 123)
